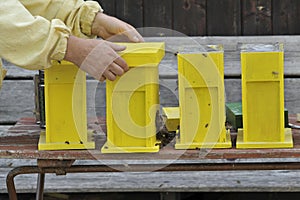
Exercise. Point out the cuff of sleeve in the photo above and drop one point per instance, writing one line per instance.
(60, 50)
(61, 46)
(88, 16)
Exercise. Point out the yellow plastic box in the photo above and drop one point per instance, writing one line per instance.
(263, 98)
(201, 99)
(171, 118)
(133, 101)
(65, 109)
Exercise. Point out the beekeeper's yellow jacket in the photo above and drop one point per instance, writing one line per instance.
(34, 32)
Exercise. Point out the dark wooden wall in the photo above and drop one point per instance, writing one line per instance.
(211, 17)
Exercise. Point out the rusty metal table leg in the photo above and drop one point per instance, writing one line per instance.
(11, 185)
(40, 186)
(11, 189)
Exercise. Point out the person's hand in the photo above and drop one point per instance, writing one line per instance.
(98, 58)
(108, 27)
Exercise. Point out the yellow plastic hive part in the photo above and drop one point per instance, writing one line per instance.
(65, 109)
(263, 98)
(132, 101)
(201, 100)
(2, 73)
(171, 118)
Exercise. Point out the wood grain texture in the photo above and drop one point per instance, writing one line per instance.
(24, 138)
(158, 17)
(222, 181)
(158, 13)
(223, 17)
(17, 94)
(190, 17)
(130, 11)
(16, 100)
(231, 53)
(21, 141)
(257, 17)
(4, 129)
(20, 103)
(286, 16)
(108, 6)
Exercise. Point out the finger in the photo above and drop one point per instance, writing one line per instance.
(104, 34)
(122, 63)
(118, 38)
(133, 35)
(109, 75)
(116, 47)
(116, 69)
(102, 78)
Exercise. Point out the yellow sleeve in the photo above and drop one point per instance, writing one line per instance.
(30, 41)
(78, 15)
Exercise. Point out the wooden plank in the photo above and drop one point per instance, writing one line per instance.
(264, 18)
(20, 103)
(95, 196)
(18, 72)
(4, 129)
(218, 181)
(223, 17)
(286, 17)
(175, 44)
(168, 93)
(230, 43)
(11, 163)
(22, 139)
(158, 13)
(16, 96)
(130, 11)
(190, 17)
(257, 17)
(231, 51)
(17, 100)
(108, 6)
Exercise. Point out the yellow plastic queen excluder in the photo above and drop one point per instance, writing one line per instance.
(201, 100)
(263, 98)
(132, 101)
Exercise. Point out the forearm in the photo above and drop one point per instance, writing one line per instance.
(28, 41)
(76, 52)
(78, 15)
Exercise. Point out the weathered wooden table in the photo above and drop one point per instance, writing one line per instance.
(20, 141)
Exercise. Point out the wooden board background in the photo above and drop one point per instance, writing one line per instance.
(210, 17)
(17, 94)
